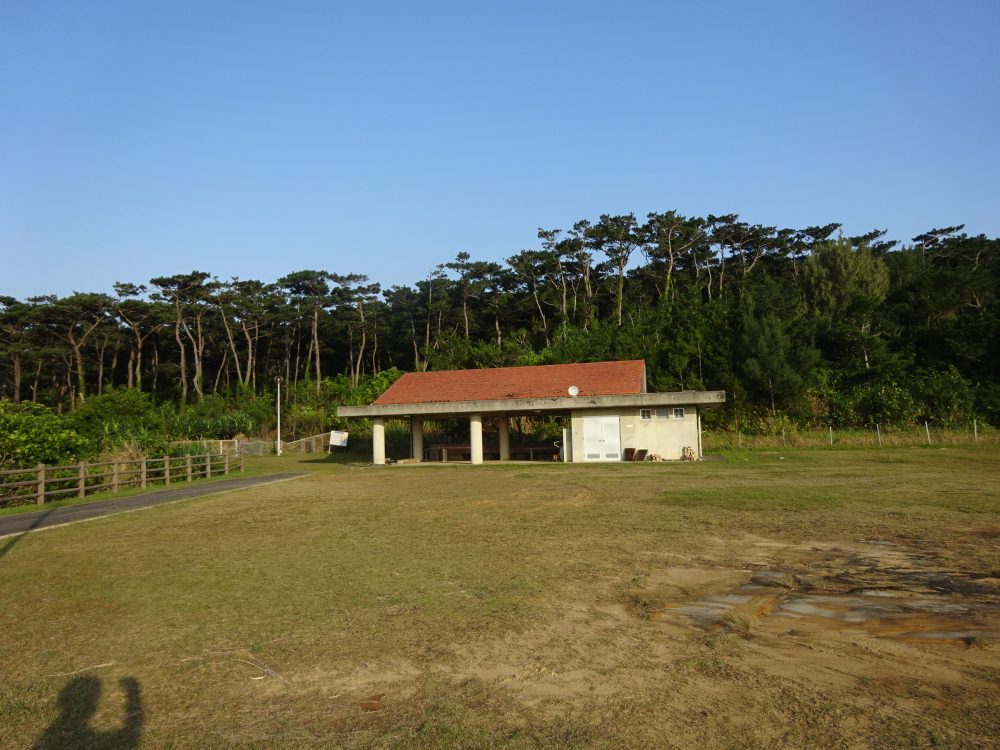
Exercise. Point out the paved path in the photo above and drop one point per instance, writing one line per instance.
(24, 522)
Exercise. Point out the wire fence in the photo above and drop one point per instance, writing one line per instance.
(875, 436)
(312, 444)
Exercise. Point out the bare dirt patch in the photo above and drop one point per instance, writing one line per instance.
(843, 641)
(884, 588)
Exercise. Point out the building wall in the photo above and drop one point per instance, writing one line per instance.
(662, 434)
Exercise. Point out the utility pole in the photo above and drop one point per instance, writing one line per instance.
(278, 442)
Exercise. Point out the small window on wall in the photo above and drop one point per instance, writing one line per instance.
(679, 412)
(645, 415)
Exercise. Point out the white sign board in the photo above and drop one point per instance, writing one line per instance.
(338, 439)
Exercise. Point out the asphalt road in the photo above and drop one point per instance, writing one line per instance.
(24, 522)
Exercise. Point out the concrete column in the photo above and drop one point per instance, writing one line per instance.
(698, 412)
(417, 437)
(378, 441)
(504, 438)
(476, 437)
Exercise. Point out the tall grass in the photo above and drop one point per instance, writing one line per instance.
(885, 437)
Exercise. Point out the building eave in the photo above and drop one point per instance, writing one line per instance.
(705, 399)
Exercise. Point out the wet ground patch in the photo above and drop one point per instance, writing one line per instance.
(886, 589)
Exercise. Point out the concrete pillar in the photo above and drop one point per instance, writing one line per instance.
(378, 441)
(698, 412)
(417, 437)
(505, 438)
(476, 437)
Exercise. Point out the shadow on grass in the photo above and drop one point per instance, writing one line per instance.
(17, 537)
(78, 702)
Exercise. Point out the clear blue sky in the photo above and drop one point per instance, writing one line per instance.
(253, 139)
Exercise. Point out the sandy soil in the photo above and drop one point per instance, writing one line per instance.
(822, 644)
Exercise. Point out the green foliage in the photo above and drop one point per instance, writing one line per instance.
(825, 330)
(215, 417)
(771, 362)
(118, 417)
(180, 450)
(944, 396)
(844, 285)
(33, 434)
(766, 422)
(884, 401)
(310, 411)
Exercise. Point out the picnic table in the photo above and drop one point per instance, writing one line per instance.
(463, 452)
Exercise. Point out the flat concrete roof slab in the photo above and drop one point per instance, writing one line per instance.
(531, 405)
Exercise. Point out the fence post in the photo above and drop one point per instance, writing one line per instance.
(142, 474)
(831, 436)
(114, 476)
(782, 436)
(878, 434)
(927, 429)
(41, 484)
(187, 466)
(243, 465)
(81, 479)
(225, 464)
(166, 470)
(208, 466)
(739, 439)
(975, 431)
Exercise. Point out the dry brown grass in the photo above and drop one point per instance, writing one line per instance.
(739, 622)
(458, 606)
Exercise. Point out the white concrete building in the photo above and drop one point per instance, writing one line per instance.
(610, 415)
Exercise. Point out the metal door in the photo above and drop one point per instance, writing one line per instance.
(601, 439)
(593, 443)
(611, 432)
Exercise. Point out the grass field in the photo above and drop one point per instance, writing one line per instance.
(838, 599)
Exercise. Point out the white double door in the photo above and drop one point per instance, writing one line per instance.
(602, 440)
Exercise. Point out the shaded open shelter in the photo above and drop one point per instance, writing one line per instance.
(610, 415)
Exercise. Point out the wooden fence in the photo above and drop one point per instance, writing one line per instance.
(42, 483)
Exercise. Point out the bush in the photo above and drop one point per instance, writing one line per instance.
(121, 418)
(217, 418)
(33, 434)
(884, 402)
(945, 396)
(763, 422)
(188, 449)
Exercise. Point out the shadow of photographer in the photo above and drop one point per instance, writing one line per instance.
(78, 702)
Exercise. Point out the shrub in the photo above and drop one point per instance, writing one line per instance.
(121, 418)
(946, 396)
(34, 434)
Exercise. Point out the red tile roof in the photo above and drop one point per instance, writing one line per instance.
(542, 381)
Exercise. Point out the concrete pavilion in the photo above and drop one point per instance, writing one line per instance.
(607, 405)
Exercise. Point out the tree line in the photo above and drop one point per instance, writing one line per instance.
(807, 325)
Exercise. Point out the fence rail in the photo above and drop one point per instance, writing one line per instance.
(44, 483)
